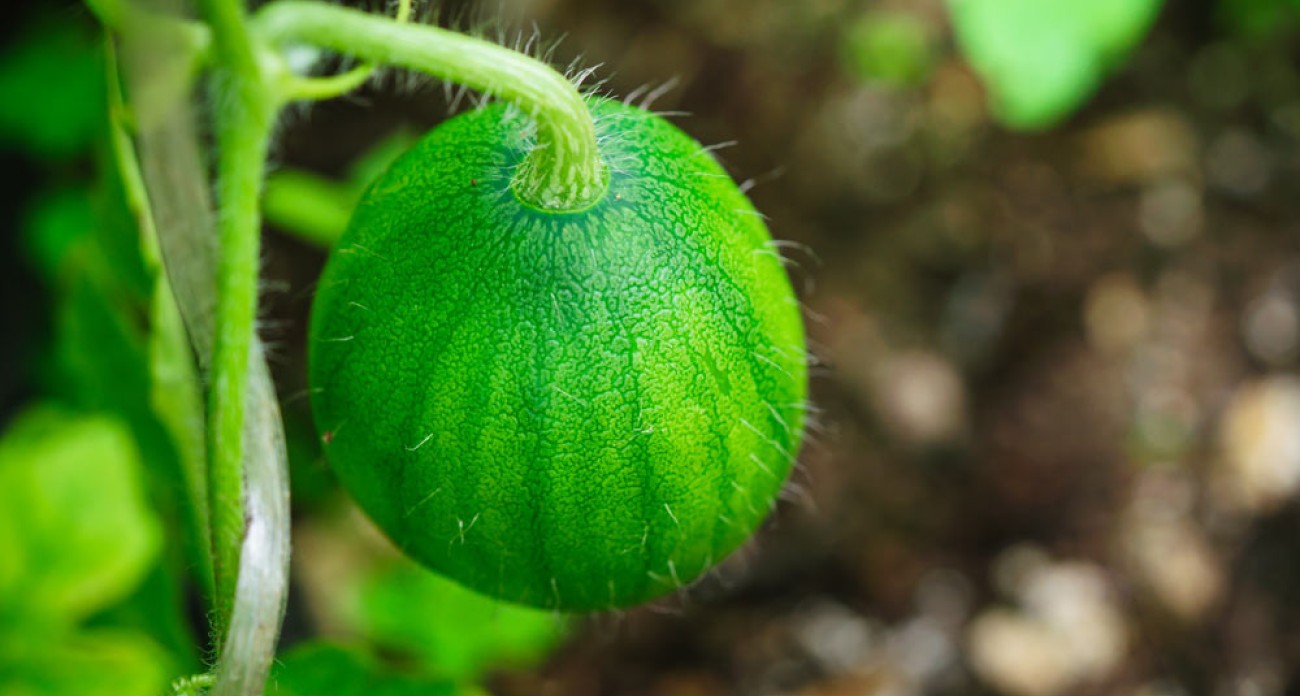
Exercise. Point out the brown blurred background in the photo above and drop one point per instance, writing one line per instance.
(1058, 447)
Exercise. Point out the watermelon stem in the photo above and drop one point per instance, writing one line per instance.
(563, 172)
(243, 114)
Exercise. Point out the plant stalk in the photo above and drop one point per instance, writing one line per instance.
(212, 263)
(564, 172)
(242, 117)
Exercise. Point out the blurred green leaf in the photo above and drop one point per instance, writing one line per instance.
(100, 358)
(152, 611)
(88, 663)
(84, 240)
(316, 209)
(323, 668)
(175, 395)
(454, 632)
(311, 207)
(376, 160)
(51, 90)
(54, 224)
(99, 355)
(1041, 59)
(165, 66)
(893, 48)
(1260, 18)
(177, 401)
(76, 532)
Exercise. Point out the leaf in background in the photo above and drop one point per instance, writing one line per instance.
(165, 67)
(1259, 19)
(175, 396)
(311, 207)
(99, 357)
(893, 48)
(76, 532)
(376, 160)
(54, 224)
(1041, 59)
(101, 361)
(454, 632)
(316, 209)
(51, 90)
(177, 402)
(151, 611)
(322, 668)
(87, 663)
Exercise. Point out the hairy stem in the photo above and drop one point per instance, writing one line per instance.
(565, 170)
(254, 628)
(179, 194)
(242, 118)
(318, 88)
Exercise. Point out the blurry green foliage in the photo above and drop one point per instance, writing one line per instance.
(116, 503)
(54, 223)
(451, 631)
(77, 534)
(1041, 59)
(311, 207)
(101, 662)
(891, 48)
(56, 566)
(316, 209)
(1260, 18)
(51, 94)
(322, 668)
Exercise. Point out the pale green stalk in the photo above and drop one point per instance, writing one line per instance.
(318, 88)
(127, 17)
(175, 394)
(242, 117)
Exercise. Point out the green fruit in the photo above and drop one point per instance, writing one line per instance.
(578, 410)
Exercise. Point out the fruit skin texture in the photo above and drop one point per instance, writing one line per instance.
(579, 410)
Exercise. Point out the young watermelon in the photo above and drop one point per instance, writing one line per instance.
(578, 410)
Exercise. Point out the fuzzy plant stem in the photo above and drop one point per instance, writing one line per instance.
(564, 172)
(249, 492)
(243, 113)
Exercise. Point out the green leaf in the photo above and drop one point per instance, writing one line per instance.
(369, 166)
(454, 632)
(152, 610)
(99, 354)
(177, 402)
(76, 532)
(56, 223)
(316, 209)
(88, 663)
(1041, 59)
(323, 668)
(893, 48)
(310, 207)
(51, 90)
(175, 395)
(1259, 19)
